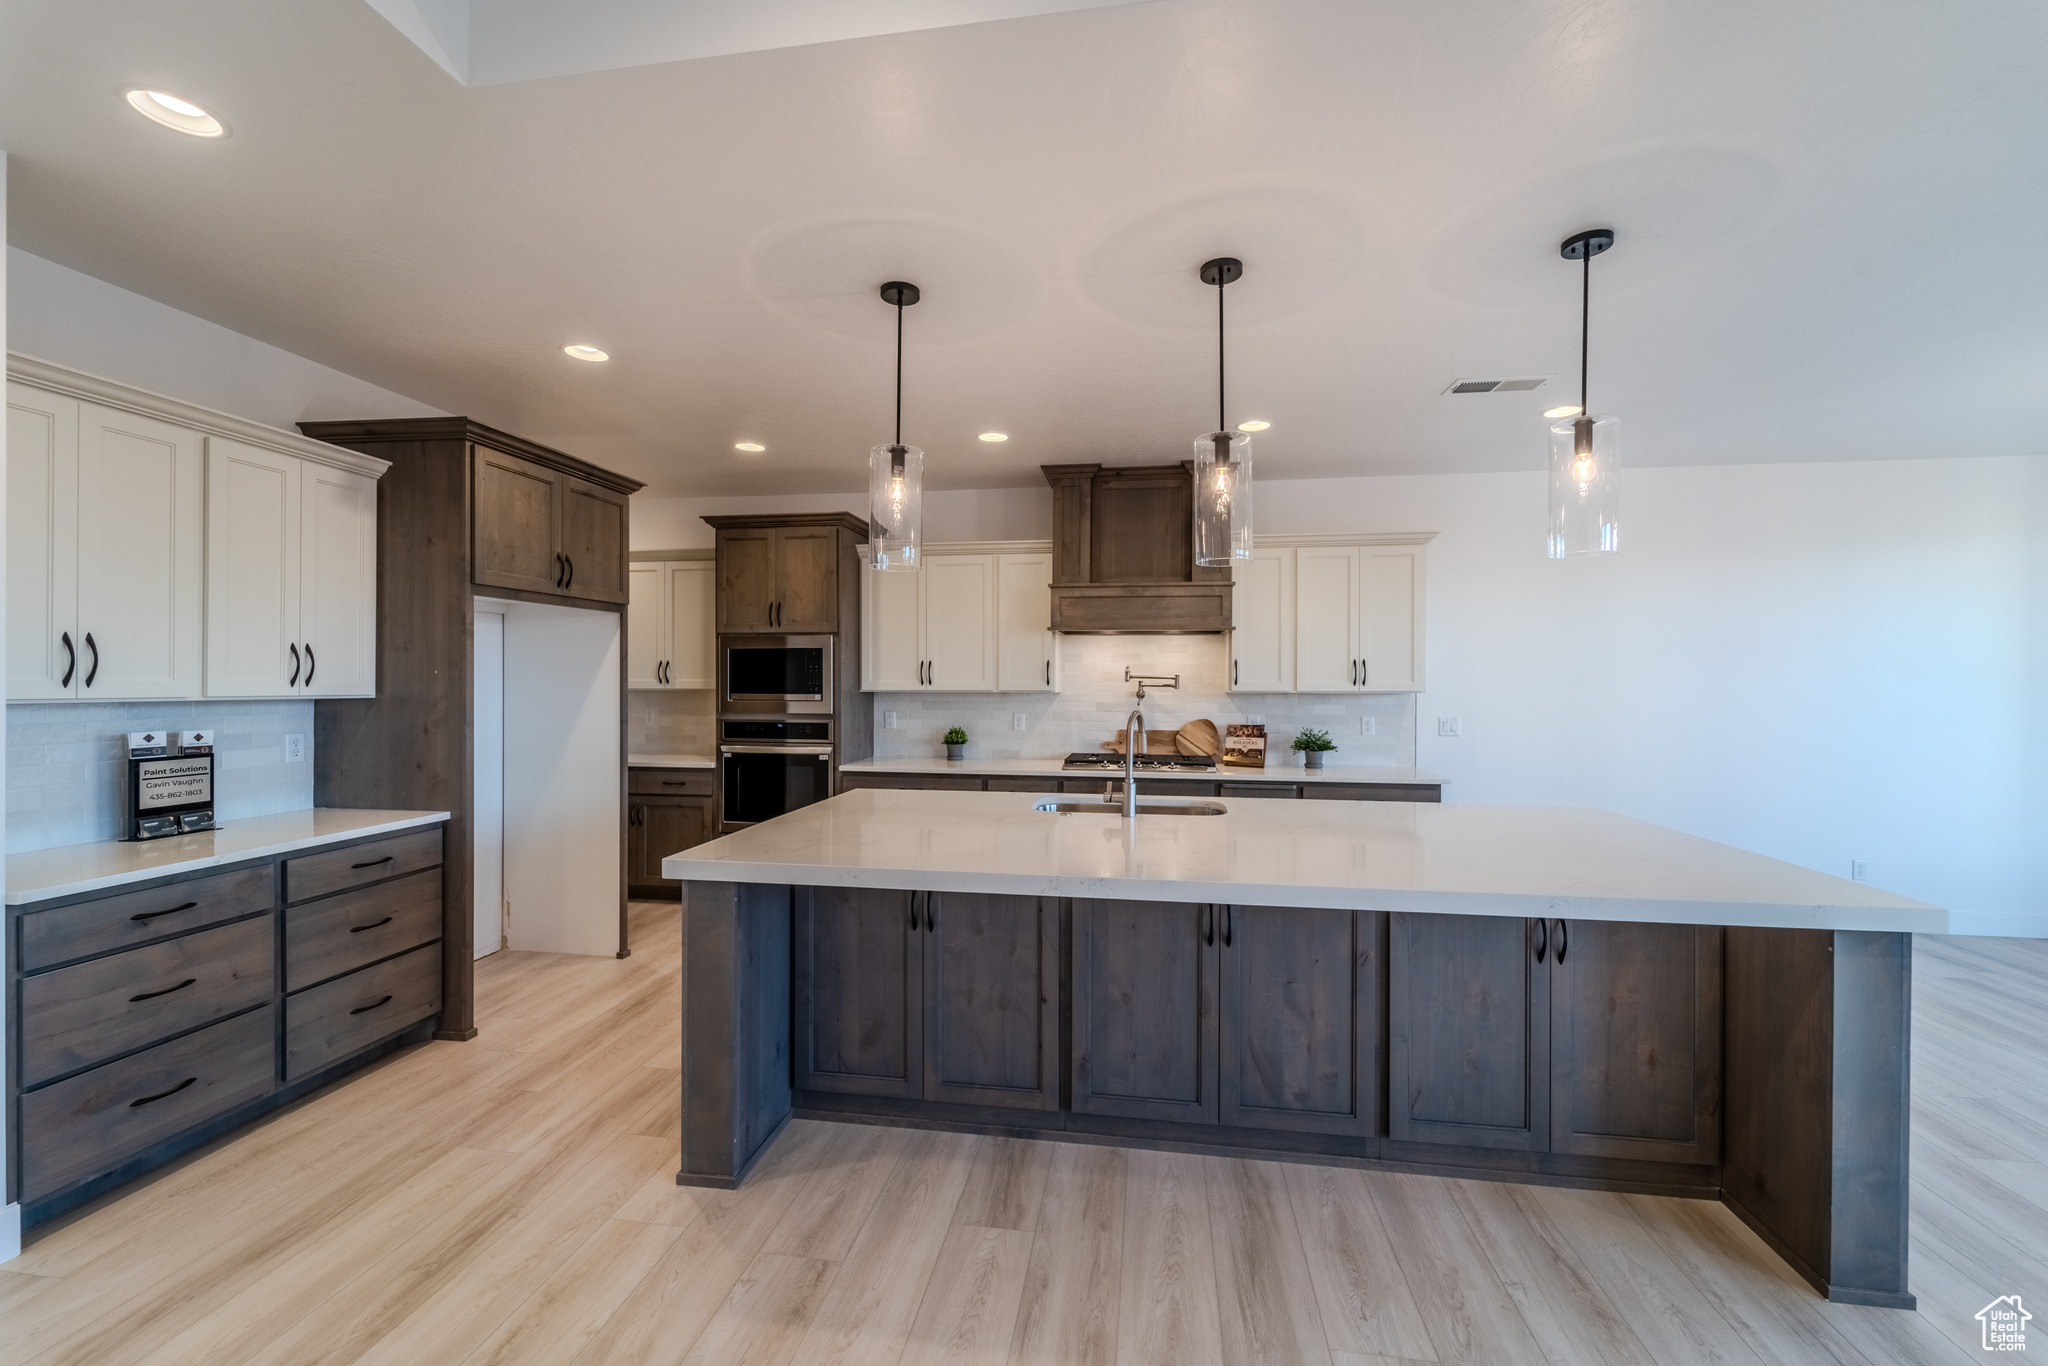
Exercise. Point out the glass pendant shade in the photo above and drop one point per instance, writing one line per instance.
(895, 506)
(1585, 486)
(1223, 498)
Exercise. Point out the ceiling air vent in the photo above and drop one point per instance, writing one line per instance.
(1495, 386)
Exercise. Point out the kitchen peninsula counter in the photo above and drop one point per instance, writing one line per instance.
(1052, 767)
(1540, 994)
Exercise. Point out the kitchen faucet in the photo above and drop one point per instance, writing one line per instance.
(1134, 733)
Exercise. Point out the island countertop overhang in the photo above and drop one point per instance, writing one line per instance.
(1539, 861)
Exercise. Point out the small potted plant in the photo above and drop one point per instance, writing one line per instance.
(1313, 744)
(956, 743)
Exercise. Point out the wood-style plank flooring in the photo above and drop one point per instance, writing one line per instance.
(512, 1200)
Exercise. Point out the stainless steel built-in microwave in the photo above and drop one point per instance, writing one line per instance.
(776, 673)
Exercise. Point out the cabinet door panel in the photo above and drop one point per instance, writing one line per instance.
(1299, 1024)
(692, 656)
(1262, 623)
(253, 507)
(42, 545)
(1636, 1042)
(518, 522)
(338, 583)
(1390, 594)
(860, 989)
(960, 622)
(1144, 1019)
(594, 539)
(646, 621)
(669, 826)
(746, 580)
(1468, 1032)
(889, 642)
(807, 578)
(991, 984)
(1326, 618)
(1025, 643)
(141, 550)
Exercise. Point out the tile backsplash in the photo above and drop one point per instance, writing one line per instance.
(64, 763)
(671, 722)
(1094, 700)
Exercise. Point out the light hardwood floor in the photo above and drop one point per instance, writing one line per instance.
(513, 1200)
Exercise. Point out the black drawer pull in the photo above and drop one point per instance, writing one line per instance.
(358, 929)
(675, 782)
(94, 671)
(161, 1094)
(372, 1006)
(151, 915)
(311, 663)
(70, 661)
(293, 681)
(165, 992)
(372, 863)
(1559, 955)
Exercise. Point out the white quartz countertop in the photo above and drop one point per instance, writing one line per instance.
(1050, 768)
(1567, 862)
(44, 873)
(670, 761)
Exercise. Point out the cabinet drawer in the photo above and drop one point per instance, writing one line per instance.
(671, 782)
(337, 934)
(76, 1016)
(1371, 792)
(337, 870)
(120, 922)
(335, 1019)
(1260, 790)
(97, 1120)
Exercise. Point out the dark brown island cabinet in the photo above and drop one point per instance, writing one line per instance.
(464, 511)
(1761, 1067)
(667, 810)
(153, 1018)
(1274, 783)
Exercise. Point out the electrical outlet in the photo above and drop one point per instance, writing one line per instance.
(1255, 718)
(1368, 725)
(1447, 726)
(892, 720)
(295, 749)
(1018, 720)
(1859, 871)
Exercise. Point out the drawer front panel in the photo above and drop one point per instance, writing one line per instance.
(97, 1120)
(120, 922)
(338, 870)
(335, 1019)
(1372, 792)
(338, 934)
(76, 1016)
(671, 782)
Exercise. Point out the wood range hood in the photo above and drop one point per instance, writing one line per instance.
(1124, 556)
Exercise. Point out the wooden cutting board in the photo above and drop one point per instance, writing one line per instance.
(1199, 737)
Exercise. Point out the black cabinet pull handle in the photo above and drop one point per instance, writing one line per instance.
(931, 914)
(913, 910)
(1208, 925)
(558, 569)
(358, 929)
(1560, 941)
(1364, 672)
(675, 782)
(570, 561)
(311, 663)
(1229, 923)
(1233, 673)
(161, 1094)
(94, 671)
(147, 995)
(70, 660)
(1542, 939)
(151, 915)
(372, 1006)
(1048, 673)
(294, 681)
(371, 864)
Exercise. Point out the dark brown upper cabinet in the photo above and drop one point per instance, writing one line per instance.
(795, 575)
(1123, 553)
(542, 530)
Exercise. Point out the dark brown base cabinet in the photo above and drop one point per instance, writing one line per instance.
(1241, 785)
(667, 811)
(1636, 1057)
(153, 1019)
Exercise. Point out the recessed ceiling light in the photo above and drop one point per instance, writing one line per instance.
(590, 353)
(1569, 410)
(1253, 426)
(750, 447)
(995, 436)
(173, 112)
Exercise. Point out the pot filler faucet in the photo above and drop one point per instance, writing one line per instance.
(1134, 733)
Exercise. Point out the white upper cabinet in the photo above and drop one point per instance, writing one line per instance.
(1026, 659)
(1390, 631)
(891, 638)
(1262, 623)
(338, 582)
(42, 545)
(669, 625)
(959, 613)
(1326, 618)
(1329, 616)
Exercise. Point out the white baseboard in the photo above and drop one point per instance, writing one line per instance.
(10, 1233)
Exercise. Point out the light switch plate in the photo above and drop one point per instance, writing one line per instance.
(1447, 726)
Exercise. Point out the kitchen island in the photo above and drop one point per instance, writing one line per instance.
(1538, 994)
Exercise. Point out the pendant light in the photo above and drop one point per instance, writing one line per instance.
(1223, 458)
(896, 471)
(1585, 449)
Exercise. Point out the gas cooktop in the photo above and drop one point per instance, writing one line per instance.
(1110, 762)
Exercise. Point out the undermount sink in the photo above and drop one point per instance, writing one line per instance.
(1145, 808)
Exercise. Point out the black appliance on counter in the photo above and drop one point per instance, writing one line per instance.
(768, 768)
(167, 784)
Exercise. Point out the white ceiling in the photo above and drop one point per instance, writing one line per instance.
(1829, 219)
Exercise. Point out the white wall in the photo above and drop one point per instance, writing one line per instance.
(10, 1215)
(487, 804)
(1818, 662)
(57, 314)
